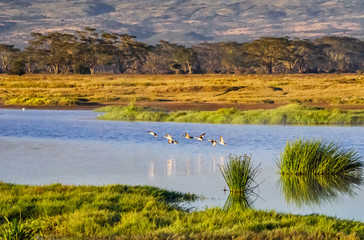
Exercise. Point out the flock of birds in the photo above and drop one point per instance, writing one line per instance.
(188, 136)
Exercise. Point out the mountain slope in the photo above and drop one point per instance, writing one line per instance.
(184, 21)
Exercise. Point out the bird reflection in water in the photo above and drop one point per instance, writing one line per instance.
(187, 167)
(152, 170)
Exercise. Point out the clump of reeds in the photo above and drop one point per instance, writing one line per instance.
(18, 229)
(317, 157)
(239, 174)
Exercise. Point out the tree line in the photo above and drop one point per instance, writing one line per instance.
(89, 52)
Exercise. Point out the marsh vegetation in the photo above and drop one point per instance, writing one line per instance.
(290, 114)
(318, 157)
(118, 211)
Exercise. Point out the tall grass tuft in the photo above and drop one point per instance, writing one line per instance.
(19, 230)
(239, 174)
(317, 157)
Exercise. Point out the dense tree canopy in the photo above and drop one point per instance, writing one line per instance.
(89, 52)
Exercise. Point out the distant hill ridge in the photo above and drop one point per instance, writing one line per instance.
(184, 22)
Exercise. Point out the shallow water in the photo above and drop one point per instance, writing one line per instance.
(71, 147)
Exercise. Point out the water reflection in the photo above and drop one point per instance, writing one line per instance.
(189, 166)
(238, 201)
(317, 190)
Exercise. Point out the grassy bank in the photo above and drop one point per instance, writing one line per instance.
(126, 212)
(55, 90)
(289, 114)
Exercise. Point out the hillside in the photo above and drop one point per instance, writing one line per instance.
(183, 21)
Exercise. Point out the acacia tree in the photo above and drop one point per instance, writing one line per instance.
(208, 57)
(269, 52)
(55, 50)
(345, 54)
(130, 55)
(7, 54)
(301, 54)
(233, 57)
(91, 48)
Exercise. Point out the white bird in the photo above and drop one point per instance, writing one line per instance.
(221, 141)
(23, 109)
(187, 136)
(152, 133)
(200, 137)
(213, 142)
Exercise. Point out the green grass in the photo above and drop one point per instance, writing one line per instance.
(239, 174)
(317, 157)
(317, 190)
(290, 114)
(126, 212)
(19, 230)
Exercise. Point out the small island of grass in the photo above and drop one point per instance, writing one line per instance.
(289, 114)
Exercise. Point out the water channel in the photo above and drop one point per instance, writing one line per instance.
(72, 147)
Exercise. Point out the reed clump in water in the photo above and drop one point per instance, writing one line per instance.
(239, 174)
(317, 157)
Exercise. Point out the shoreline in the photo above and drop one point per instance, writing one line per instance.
(175, 106)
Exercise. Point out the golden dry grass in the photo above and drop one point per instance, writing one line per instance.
(333, 89)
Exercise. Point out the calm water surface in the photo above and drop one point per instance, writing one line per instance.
(71, 147)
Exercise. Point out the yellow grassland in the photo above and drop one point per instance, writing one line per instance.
(335, 89)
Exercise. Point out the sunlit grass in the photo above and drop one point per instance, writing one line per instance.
(337, 89)
(317, 157)
(290, 114)
(126, 212)
(20, 230)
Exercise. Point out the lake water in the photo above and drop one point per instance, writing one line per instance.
(72, 147)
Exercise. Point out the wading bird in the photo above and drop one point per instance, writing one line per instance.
(221, 141)
(200, 137)
(152, 133)
(213, 142)
(187, 136)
